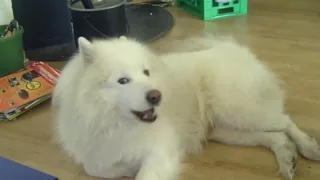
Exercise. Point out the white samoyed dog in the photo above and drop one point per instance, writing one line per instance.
(122, 110)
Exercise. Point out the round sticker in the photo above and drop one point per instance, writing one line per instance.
(33, 85)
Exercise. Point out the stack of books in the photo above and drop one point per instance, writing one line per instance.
(25, 89)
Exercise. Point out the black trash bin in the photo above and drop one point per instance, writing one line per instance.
(106, 20)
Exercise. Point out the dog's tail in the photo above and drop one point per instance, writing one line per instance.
(189, 44)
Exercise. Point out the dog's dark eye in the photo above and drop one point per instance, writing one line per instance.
(123, 81)
(146, 72)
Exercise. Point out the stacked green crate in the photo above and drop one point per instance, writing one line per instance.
(213, 9)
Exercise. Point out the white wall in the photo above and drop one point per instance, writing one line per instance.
(6, 14)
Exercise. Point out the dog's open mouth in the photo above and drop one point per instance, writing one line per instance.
(147, 115)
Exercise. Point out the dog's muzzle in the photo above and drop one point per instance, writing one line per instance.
(153, 97)
(146, 116)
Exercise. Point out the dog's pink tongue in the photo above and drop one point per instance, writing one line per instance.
(148, 113)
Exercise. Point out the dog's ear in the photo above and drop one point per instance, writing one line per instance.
(85, 49)
(123, 38)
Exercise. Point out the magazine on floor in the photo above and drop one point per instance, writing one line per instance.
(25, 89)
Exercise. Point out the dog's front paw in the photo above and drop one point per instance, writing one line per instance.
(112, 172)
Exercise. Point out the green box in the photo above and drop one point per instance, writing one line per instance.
(11, 52)
(210, 9)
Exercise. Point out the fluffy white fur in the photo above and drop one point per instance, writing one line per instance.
(222, 93)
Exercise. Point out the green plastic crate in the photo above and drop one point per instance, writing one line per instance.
(210, 9)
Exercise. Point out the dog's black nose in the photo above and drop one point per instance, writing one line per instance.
(153, 97)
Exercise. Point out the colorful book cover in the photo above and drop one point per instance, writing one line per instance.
(35, 81)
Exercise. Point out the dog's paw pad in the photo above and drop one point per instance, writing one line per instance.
(287, 159)
(288, 170)
(294, 162)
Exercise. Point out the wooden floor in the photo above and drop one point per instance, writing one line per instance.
(285, 34)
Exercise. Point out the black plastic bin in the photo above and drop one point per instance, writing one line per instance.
(106, 20)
